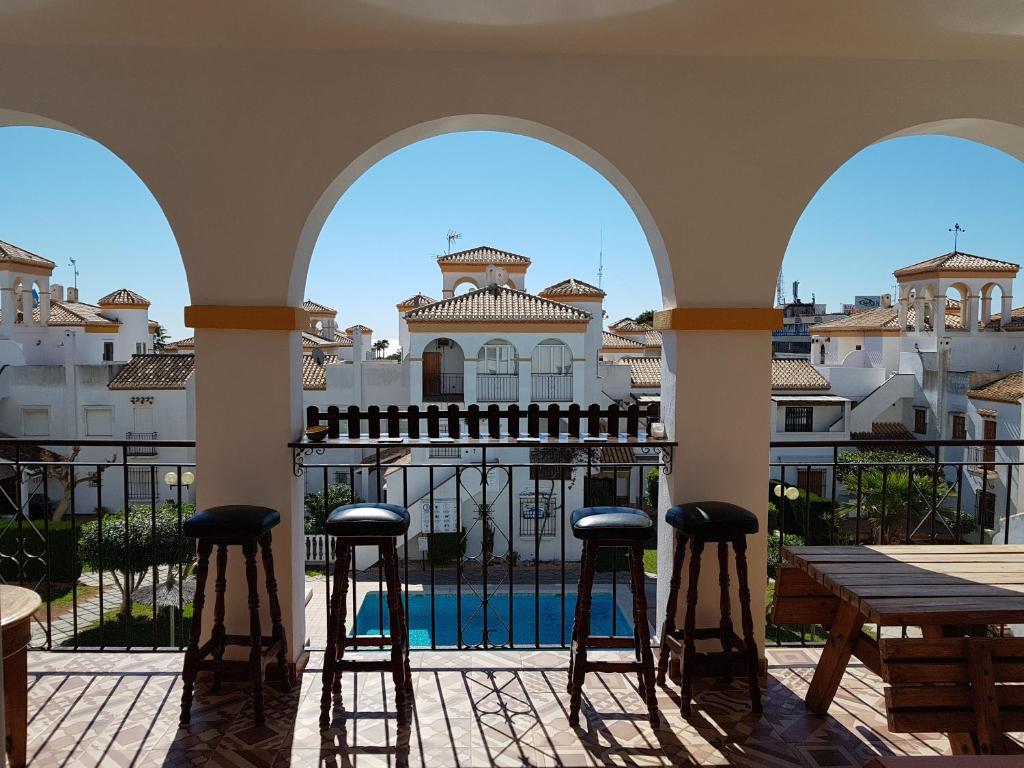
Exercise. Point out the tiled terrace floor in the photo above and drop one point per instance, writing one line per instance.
(472, 709)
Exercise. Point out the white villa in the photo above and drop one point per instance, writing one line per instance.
(941, 364)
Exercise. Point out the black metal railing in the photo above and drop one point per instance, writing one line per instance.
(108, 580)
(489, 559)
(497, 387)
(148, 446)
(551, 387)
(443, 387)
(889, 492)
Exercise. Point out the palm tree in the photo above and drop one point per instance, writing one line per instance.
(159, 338)
(892, 503)
(380, 346)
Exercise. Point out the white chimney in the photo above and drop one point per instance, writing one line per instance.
(886, 300)
(72, 294)
(496, 275)
(56, 292)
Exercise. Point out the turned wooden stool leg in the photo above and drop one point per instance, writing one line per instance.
(582, 632)
(191, 663)
(219, 632)
(331, 653)
(255, 635)
(277, 631)
(740, 548)
(643, 632)
(725, 605)
(390, 557)
(576, 618)
(669, 625)
(339, 639)
(690, 625)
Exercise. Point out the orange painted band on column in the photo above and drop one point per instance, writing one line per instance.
(718, 319)
(247, 318)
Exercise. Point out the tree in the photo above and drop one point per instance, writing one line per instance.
(135, 544)
(380, 346)
(62, 470)
(159, 338)
(645, 318)
(338, 495)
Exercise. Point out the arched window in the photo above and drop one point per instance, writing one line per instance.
(552, 357)
(497, 372)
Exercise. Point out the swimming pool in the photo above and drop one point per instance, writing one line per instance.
(443, 630)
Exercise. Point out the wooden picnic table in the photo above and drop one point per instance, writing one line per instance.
(945, 590)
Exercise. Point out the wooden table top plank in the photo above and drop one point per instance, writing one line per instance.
(921, 585)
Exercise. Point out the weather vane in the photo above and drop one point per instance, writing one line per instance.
(956, 229)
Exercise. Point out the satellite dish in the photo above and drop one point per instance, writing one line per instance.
(318, 355)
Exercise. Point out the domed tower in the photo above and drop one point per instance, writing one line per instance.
(477, 266)
(131, 311)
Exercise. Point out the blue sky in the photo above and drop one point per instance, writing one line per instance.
(64, 196)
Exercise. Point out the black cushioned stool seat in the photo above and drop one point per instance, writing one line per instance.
(610, 523)
(697, 524)
(367, 519)
(361, 525)
(599, 528)
(234, 521)
(712, 520)
(246, 526)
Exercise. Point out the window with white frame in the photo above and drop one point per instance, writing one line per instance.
(140, 347)
(35, 421)
(99, 421)
(497, 359)
(552, 358)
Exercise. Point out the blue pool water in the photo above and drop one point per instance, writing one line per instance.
(444, 629)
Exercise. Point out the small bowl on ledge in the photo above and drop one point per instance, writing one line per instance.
(316, 434)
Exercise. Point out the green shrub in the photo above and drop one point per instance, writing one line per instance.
(774, 560)
(651, 479)
(151, 538)
(338, 495)
(25, 555)
(445, 548)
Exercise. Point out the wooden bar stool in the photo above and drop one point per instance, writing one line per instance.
(360, 525)
(248, 527)
(598, 528)
(701, 523)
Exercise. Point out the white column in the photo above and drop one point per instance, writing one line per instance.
(246, 460)
(525, 381)
(415, 380)
(939, 315)
(722, 425)
(902, 314)
(1006, 310)
(972, 313)
(986, 309)
(469, 393)
(26, 303)
(8, 303)
(919, 314)
(44, 300)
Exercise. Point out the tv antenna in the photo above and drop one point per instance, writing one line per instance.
(74, 265)
(600, 258)
(780, 292)
(452, 237)
(956, 229)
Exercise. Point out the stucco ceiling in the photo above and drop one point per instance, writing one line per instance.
(913, 29)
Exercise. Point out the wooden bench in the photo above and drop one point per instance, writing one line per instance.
(963, 686)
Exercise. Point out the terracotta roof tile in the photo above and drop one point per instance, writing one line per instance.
(797, 375)
(357, 328)
(416, 301)
(317, 308)
(611, 340)
(629, 325)
(884, 430)
(652, 339)
(155, 371)
(499, 303)
(483, 254)
(571, 287)
(646, 371)
(885, 319)
(13, 254)
(1009, 389)
(123, 296)
(957, 261)
(314, 374)
(188, 343)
